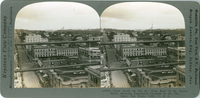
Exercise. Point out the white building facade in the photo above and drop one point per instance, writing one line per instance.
(121, 37)
(33, 38)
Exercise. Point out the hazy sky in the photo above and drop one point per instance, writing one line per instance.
(132, 15)
(55, 15)
(141, 15)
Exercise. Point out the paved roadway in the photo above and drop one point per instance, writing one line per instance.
(30, 78)
(119, 79)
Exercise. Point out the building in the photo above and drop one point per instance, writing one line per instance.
(143, 61)
(144, 38)
(33, 38)
(78, 82)
(126, 51)
(90, 51)
(48, 51)
(180, 37)
(91, 38)
(176, 51)
(66, 51)
(43, 51)
(92, 55)
(43, 79)
(105, 79)
(180, 75)
(46, 34)
(53, 61)
(140, 60)
(79, 38)
(68, 80)
(156, 77)
(121, 37)
(94, 76)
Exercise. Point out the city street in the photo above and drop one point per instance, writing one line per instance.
(30, 78)
(118, 78)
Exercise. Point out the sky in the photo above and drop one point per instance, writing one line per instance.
(132, 15)
(56, 15)
(142, 15)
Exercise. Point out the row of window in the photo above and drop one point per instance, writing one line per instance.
(38, 50)
(90, 51)
(156, 50)
(138, 49)
(134, 52)
(140, 54)
(33, 38)
(73, 50)
(33, 41)
(131, 52)
(45, 55)
(122, 37)
(69, 54)
(68, 50)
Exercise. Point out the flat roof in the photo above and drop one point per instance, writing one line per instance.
(58, 47)
(141, 46)
(95, 67)
(158, 69)
(90, 47)
(177, 48)
(67, 69)
(181, 66)
(75, 75)
(163, 75)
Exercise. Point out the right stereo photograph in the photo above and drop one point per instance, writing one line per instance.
(144, 46)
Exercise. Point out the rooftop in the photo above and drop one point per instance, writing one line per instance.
(95, 67)
(158, 69)
(162, 79)
(177, 48)
(58, 47)
(72, 75)
(90, 48)
(163, 74)
(140, 46)
(120, 34)
(67, 69)
(181, 68)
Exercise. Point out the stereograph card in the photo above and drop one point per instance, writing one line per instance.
(100, 49)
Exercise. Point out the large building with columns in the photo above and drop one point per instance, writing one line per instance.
(129, 50)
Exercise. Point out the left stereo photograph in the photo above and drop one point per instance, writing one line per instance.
(56, 46)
